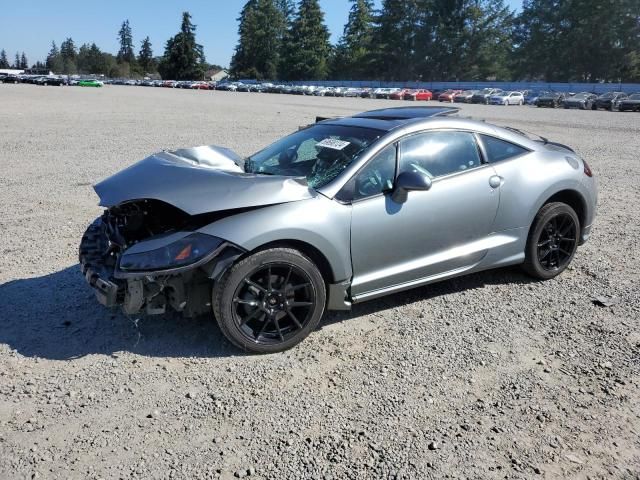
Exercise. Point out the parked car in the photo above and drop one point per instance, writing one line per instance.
(421, 94)
(531, 98)
(507, 98)
(51, 80)
(202, 231)
(583, 101)
(10, 78)
(551, 100)
(448, 95)
(609, 100)
(631, 103)
(484, 95)
(353, 92)
(89, 83)
(398, 94)
(385, 92)
(465, 96)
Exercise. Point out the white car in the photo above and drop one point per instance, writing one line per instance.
(507, 98)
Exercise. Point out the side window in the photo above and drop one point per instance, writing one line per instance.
(500, 149)
(439, 153)
(377, 176)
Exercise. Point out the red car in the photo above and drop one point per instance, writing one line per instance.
(399, 94)
(448, 95)
(421, 95)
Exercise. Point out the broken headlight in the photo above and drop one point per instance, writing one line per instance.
(180, 253)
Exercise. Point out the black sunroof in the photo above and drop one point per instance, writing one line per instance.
(402, 113)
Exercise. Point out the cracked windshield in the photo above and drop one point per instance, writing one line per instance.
(318, 153)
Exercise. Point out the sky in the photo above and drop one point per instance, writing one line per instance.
(31, 25)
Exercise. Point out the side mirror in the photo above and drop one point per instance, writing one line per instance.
(407, 182)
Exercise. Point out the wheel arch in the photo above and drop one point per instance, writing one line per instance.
(574, 199)
(314, 254)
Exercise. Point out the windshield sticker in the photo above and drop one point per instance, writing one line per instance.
(333, 143)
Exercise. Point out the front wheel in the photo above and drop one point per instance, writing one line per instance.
(552, 242)
(270, 301)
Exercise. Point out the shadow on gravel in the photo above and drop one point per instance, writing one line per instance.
(57, 317)
(508, 275)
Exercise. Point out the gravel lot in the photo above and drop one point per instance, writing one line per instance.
(487, 376)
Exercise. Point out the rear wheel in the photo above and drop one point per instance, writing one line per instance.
(553, 241)
(270, 301)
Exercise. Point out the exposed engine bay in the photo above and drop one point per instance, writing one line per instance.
(186, 290)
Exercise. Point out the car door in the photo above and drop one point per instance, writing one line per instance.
(433, 232)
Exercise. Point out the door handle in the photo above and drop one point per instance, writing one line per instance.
(495, 181)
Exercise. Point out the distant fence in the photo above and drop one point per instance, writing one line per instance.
(560, 87)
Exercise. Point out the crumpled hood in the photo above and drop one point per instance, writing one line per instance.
(199, 180)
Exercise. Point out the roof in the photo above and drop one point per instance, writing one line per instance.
(407, 113)
(387, 119)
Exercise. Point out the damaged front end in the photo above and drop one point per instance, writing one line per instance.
(146, 255)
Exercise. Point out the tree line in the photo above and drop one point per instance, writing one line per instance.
(442, 40)
(183, 58)
(403, 40)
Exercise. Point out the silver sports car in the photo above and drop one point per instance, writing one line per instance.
(339, 212)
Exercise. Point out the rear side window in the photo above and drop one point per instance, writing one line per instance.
(498, 150)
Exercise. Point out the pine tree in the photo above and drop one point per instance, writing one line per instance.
(68, 55)
(307, 50)
(394, 37)
(464, 40)
(54, 60)
(16, 61)
(183, 58)
(4, 62)
(24, 64)
(145, 57)
(353, 53)
(125, 37)
(257, 54)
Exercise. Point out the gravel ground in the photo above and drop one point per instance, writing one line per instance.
(487, 376)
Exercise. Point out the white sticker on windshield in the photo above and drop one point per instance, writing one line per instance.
(333, 143)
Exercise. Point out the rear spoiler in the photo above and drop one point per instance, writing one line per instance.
(318, 120)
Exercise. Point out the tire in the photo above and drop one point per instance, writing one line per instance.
(253, 302)
(552, 242)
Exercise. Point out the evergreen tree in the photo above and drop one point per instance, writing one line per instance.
(394, 37)
(145, 57)
(91, 60)
(307, 50)
(24, 64)
(125, 37)
(16, 61)
(257, 54)
(54, 60)
(578, 40)
(68, 55)
(464, 40)
(4, 62)
(183, 58)
(352, 56)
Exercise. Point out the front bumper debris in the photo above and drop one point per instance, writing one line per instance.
(188, 292)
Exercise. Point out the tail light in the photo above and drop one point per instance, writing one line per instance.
(587, 169)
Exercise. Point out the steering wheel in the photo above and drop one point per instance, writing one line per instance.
(370, 185)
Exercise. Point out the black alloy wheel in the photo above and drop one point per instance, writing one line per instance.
(556, 242)
(273, 303)
(270, 300)
(552, 242)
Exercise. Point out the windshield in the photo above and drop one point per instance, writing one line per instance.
(581, 95)
(318, 153)
(606, 96)
(635, 96)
